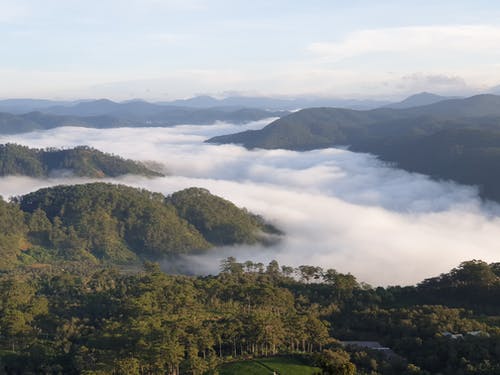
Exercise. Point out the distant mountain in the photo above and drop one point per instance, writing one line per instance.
(135, 114)
(495, 90)
(475, 106)
(417, 100)
(12, 124)
(275, 103)
(456, 139)
(19, 106)
(79, 161)
(323, 127)
(139, 109)
(134, 109)
(118, 224)
(202, 101)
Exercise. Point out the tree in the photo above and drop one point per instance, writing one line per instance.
(336, 362)
(273, 269)
(230, 265)
(308, 273)
(287, 271)
(474, 272)
(344, 284)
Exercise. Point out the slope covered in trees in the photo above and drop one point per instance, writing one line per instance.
(117, 224)
(79, 318)
(80, 161)
(323, 127)
(218, 220)
(455, 139)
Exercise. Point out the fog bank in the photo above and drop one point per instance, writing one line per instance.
(339, 209)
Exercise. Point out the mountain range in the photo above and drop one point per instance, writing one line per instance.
(108, 114)
(420, 99)
(24, 115)
(277, 103)
(456, 139)
(231, 103)
(139, 111)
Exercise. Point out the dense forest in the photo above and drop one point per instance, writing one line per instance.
(76, 318)
(80, 294)
(80, 161)
(454, 139)
(116, 224)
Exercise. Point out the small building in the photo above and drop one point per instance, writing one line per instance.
(372, 345)
(452, 336)
(478, 334)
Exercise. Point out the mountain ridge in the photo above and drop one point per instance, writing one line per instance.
(454, 133)
(418, 100)
(31, 121)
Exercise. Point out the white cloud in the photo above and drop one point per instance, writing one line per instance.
(442, 83)
(393, 62)
(339, 209)
(434, 41)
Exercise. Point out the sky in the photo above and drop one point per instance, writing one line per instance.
(167, 49)
(338, 209)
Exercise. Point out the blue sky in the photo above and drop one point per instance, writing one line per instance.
(163, 49)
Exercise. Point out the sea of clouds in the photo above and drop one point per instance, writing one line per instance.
(339, 209)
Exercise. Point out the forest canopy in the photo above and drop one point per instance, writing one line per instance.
(74, 317)
(102, 222)
(80, 161)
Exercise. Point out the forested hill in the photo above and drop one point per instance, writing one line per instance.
(79, 161)
(323, 127)
(456, 139)
(117, 224)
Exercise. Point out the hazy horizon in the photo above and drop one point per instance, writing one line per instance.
(164, 50)
(232, 94)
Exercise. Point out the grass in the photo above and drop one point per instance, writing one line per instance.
(244, 367)
(265, 366)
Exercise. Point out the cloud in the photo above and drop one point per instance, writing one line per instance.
(339, 209)
(440, 83)
(434, 41)
(382, 63)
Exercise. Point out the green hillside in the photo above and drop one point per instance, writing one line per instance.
(108, 223)
(80, 161)
(218, 220)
